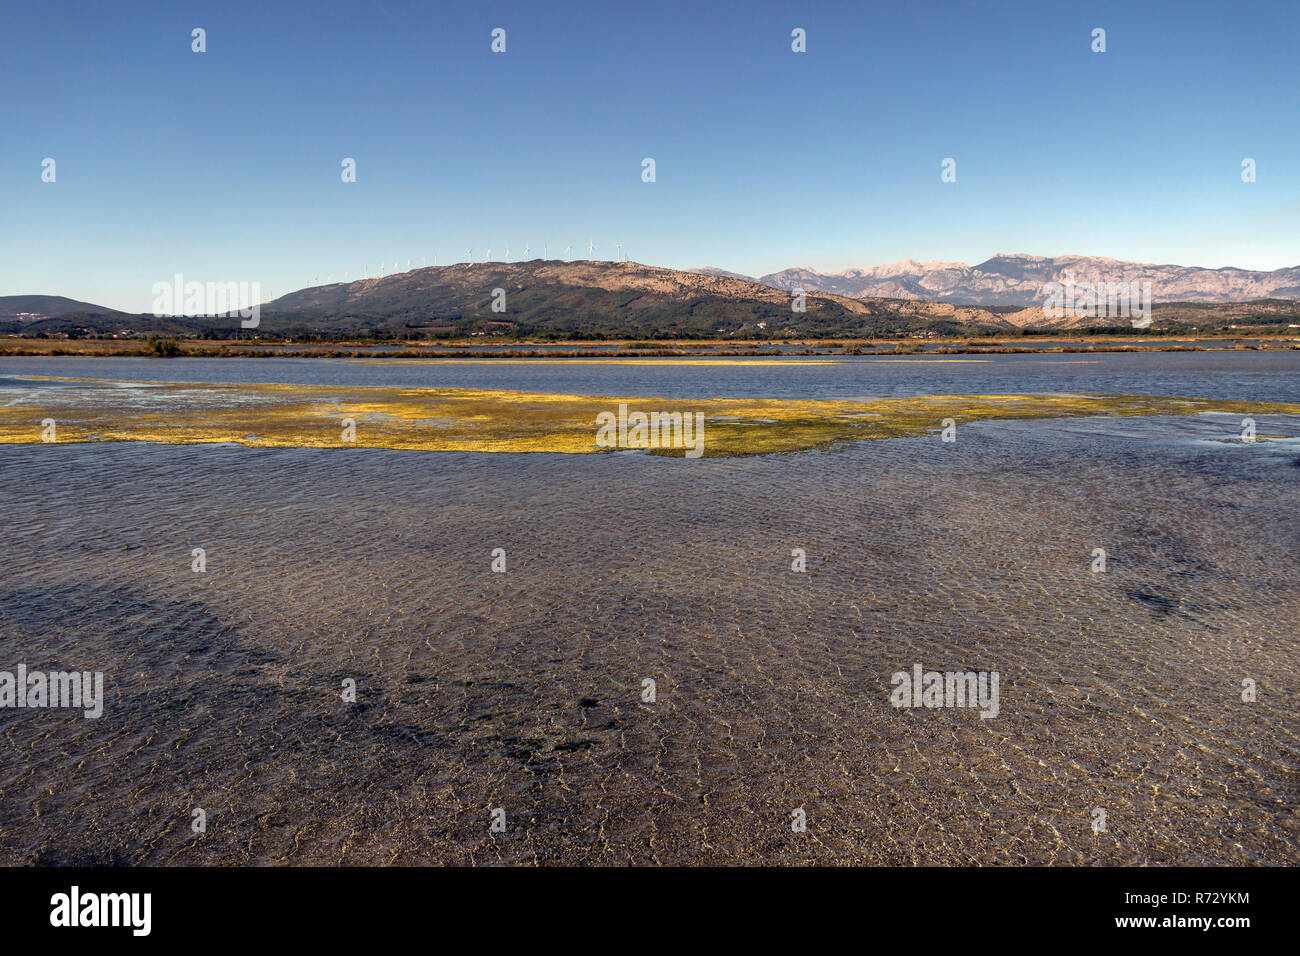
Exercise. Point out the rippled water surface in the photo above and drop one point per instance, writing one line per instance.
(523, 690)
(1261, 376)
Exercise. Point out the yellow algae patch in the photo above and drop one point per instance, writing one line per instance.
(486, 420)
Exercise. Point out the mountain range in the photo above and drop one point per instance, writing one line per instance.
(628, 299)
(1006, 280)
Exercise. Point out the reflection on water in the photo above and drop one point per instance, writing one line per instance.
(522, 690)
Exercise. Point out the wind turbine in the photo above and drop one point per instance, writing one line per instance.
(591, 248)
(545, 248)
(568, 253)
(469, 257)
(525, 248)
(507, 253)
(620, 252)
(408, 265)
(489, 254)
(424, 261)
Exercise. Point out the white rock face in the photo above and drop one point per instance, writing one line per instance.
(1019, 280)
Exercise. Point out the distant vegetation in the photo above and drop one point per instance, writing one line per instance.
(162, 348)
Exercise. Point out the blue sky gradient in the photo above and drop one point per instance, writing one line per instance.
(224, 166)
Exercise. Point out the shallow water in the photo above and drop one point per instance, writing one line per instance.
(1258, 376)
(521, 690)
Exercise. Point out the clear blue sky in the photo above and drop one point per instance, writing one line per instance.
(224, 166)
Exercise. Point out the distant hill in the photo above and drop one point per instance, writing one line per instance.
(36, 307)
(586, 297)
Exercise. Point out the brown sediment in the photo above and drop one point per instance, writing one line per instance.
(512, 421)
